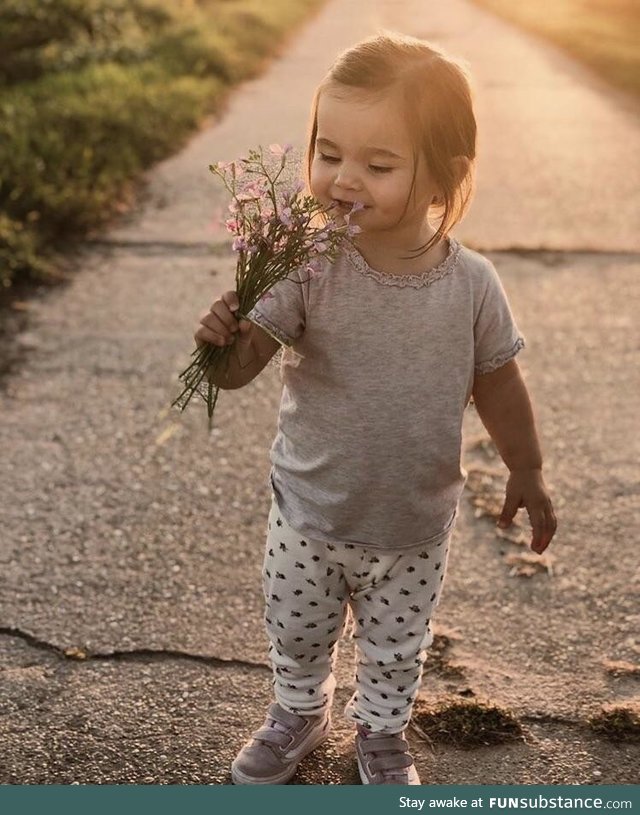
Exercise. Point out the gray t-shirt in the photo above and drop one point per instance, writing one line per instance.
(377, 371)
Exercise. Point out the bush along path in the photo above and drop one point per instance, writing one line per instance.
(93, 92)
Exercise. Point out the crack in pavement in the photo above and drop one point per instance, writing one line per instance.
(156, 247)
(539, 717)
(216, 247)
(76, 654)
(542, 251)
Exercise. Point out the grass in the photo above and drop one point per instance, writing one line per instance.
(603, 34)
(93, 92)
(465, 723)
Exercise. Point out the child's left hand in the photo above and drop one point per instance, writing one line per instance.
(526, 488)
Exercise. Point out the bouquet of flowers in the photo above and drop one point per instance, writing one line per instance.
(276, 230)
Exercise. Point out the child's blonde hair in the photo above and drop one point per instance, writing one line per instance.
(437, 98)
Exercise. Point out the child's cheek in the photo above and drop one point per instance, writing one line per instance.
(320, 186)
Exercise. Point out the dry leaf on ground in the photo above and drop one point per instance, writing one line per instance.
(526, 564)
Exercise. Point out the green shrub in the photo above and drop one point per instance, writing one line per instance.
(92, 92)
(76, 139)
(20, 252)
(39, 37)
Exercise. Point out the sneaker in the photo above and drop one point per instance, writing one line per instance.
(384, 758)
(274, 752)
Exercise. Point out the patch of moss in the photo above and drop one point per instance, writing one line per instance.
(618, 722)
(465, 723)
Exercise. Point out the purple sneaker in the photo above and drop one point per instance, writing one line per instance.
(274, 752)
(384, 758)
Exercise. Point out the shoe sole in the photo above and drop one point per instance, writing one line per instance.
(415, 778)
(238, 777)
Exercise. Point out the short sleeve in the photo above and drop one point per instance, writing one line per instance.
(496, 336)
(281, 312)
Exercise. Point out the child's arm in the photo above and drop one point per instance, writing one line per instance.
(503, 404)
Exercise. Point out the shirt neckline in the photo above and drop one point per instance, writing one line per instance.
(425, 278)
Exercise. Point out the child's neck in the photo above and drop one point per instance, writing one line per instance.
(393, 256)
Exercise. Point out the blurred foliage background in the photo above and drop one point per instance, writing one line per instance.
(94, 91)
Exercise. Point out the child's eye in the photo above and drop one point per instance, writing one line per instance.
(376, 168)
(328, 159)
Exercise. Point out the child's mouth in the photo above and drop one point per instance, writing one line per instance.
(346, 207)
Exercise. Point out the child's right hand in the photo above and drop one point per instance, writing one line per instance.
(218, 325)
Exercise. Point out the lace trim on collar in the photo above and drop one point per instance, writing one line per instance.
(416, 281)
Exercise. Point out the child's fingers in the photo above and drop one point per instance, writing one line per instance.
(223, 315)
(230, 299)
(539, 535)
(218, 325)
(544, 528)
(244, 333)
(204, 336)
(210, 331)
(511, 505)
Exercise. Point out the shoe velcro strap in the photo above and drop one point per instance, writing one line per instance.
(270, 735)
(391, 744)
(397, 761)
(284, 717)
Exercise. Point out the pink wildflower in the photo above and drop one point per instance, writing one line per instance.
(251, 191)
(275, 228)
(358, 205)
(280, 150)
(285, 217)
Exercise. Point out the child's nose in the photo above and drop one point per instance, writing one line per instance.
(347, 178)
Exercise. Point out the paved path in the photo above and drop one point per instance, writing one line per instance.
(131, 537)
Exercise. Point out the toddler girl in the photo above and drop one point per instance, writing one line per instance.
(383, 350)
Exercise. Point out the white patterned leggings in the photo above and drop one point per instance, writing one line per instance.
(308, 587)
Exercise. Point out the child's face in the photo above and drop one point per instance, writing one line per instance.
(364, 153)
